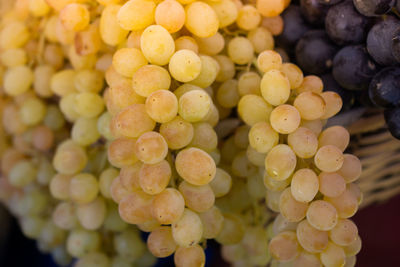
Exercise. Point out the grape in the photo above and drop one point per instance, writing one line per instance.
(175, 19)
(59, 186)
(310, 105)
(80, 242)
(344, 233)
(168, 206)
(232, 231)
(249, 83)
(269, 8)
(204, 137)
(311, 83)
(227, 12)
(227, 68)
(190, 257)
(373, 7)
(275, 87)
(150, 78)
(157, 44)
(333, 104)
(13, 85)
(273, 24)
(241, 167)
(262, 137)
(329, 158)
(151, 148)
(311, 239)
(228, 94)
(284, 246)
(304, 185)
(188, 230)
(75, 17)
(177, 133)
(313, 11)
(353, 248)
(154, 178)
(69, 158)
(322, 215)
(117, 190)
(91, 215)
(240, 50)
(121, 152)
(307, 259)
(290, 208)
(253, 109)
(194, 105)
(382, 89)
(336, 135)
(110, 30)
(248, 18)
(93, 259)
(83, 188)
(84, 131)
(392, 120)
(208, 72)
(127, 61)
(129, 245)
(303, 142)
(293, 73)
(274, 185)
(280, 162)
(14, 35)
(331, 184)
(136, 14)
(285, 119)
(331, 85)
(396, 45)
(185, 65)
(197, 198)
(222, 182)
(201, 19)
(333, 255)
(294, 27)
(346, 204)
(135, 207)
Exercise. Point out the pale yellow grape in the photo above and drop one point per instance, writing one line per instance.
(84, 131)
(212, 221)
(184, 88)
(113, 221)
(226, 68)
(262, 39)
(333, 256)
(129, 176)
(126, 61)
(14, 35)
(269, 60)
(121, 152)
(280, 162)
(331, 184)
(150, 78)
(83, 188)
(168, 206)
(67, 106)
(52, 235)
(132, 121)
(211, 45)
(118, 98)
(129, 245)
(186, 42)
(185, 65)
(335, 135)
(69, 158)
(188, 230)
(232, 230)
(194, 105)
(135, 207)
(171, 15)
(93, 259)
(22, 173)
(315, 126)
(149, 226)
(50, 31)
(269, 8)
(303, 142)
(75, 17)
(59, 186)
(263, 137)
(177, 133)
(89, 42)
(255, 242)
(222, 183)
(356, 191)
(204, 137)
(350, 261)
(322, 215)
(293, 73)
(333, 102)
(216, 155)
(151, 148)
(275, 87)
(195, 166)
(11, 120)
(108, 2)
(133, 40)
(106, 178)
(38, 8)
(249, 83)
(344, 233)
(351, 168)
(80, 242)
(157, 44)
(213, 116)
(62, 82)
(88, 104)
(248, 18)
(241, 136)
(13, 84)
(311, 239)
(189, 257)
(45, 171)
(253, 109)
(307, 259)
(197, 198)
(10, 157)
(311, 83)
(117, 191)
(240, 50)
(162, 106)
(329, 158)
(64, 215)
(284, 246)
(32, 111)
(154, 178)
(13, 57)
(346, 204)
(353, 248)
(304, 186)
(226, 11)
(110, 30)
(80, 62)
(91, 215)
(241, 166)
(103, 125)
(201, 19)
(310, 105)
(41, 83)
(136, 14)
(161, 242)
(290, 208)
(233, 253)
(274, 185)
(255, 186)
(228, 94)
(208, 72)
(53, 55)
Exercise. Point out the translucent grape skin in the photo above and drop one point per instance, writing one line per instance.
(284, 246)
(161, 242)
(188, 230)
(168, 206)
(197, 198)
(190, 257)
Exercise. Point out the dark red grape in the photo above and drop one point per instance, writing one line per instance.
(396, 44)
(371, 8)
(392, 118)
(384, 89)
(345, 25)
(353, 68)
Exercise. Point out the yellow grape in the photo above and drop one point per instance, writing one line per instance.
(305, 185)
(129, 176)
(307, 259)
(185, 65)
(284, 246)
(336, 135)
(333, 255)
(331, 184)
(226, 68)
(188, 230)
(69, 158)
(311, 83)
(135, 207)
(269, 60)
(171, 15)
(333, 103)
(136, 14)
(84, 131)
(353, 248)
(75, 17)
(168, 206)
(208, 72)
(310, 105)
(80, 242)
(311, 239)
(226, 11)
(83, 188)
(62, 82)
(248, 18)
(212, 221)
(189, 257)
(261, 38)
(92, 215)
(178, 133)
(201, 19)
(117, 191)
(59, 186)
(211, 45)
(329, 158)
(228, 94)
(161, 242)
(232, 231)
(150, 78)
(240, 50)
(157, 44)
(262, 137)
(121, 152)
(303, 142)
(14, 35)
(253, 109)
(106, 179)
(344, 233)
(13, 84)
(293, 73)
(273, 185)
(13, 57)
(222, 183)
(93, 259)
(64, 215)
(32, 111)
(186, 42)
(280, 162)
(249, 83)
(290, 208)
(346, 204)
(322, 215)
(194, 105)
(197, 198)
(275, 87)
(162, 106)
(351, 168)
(89, 81)
(154, 178)
(204, 137)
(126, 61)
(151, 148)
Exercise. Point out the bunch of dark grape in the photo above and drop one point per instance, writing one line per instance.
(354, 45)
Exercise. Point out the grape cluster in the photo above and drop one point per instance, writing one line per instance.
(176, 118)
(354, 45)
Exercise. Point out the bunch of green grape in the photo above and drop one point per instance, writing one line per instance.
(176, 118)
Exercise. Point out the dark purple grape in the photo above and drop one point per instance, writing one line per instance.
(353, 68)
(294, 27)
(372, 8)
(379, 41)
(396, 45)
(398, 5)
(314, 12)
(392, 118)
(345, 25)
(331, 85)
(384, 89)
(329, 2)
(315, 52)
